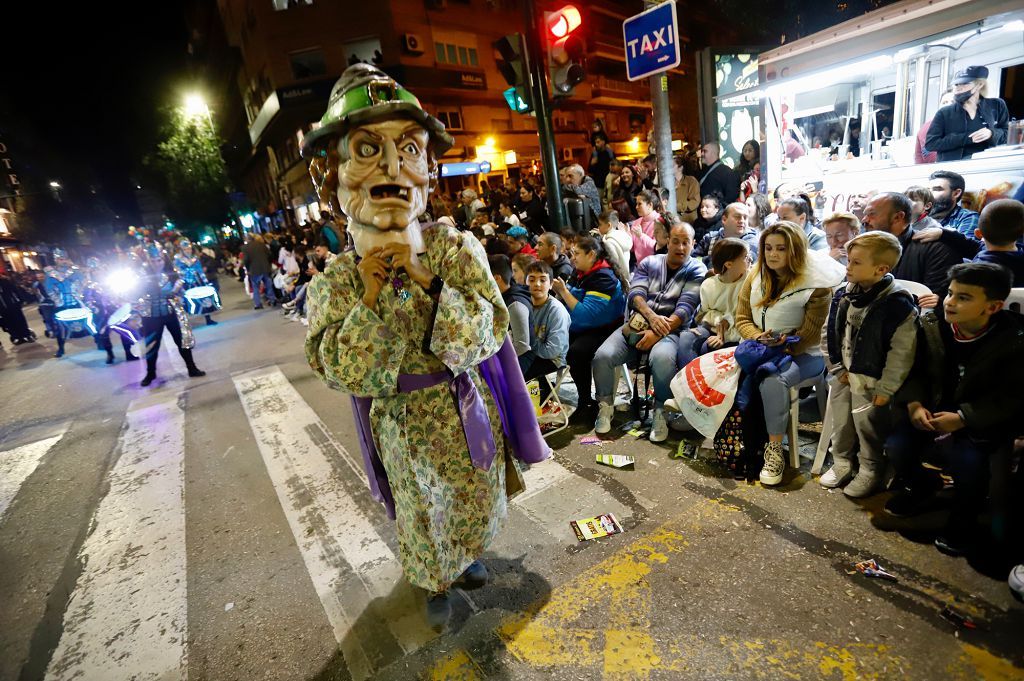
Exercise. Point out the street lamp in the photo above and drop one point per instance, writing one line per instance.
(55, 185)
(195, 105)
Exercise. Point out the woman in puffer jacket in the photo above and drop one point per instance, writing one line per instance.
(786, 294)
(596, 307)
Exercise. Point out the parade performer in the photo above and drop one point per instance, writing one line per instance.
(12, 319)
(160, 309)
(103, 304)
(189, 267)
(63, 285)
(413, 326)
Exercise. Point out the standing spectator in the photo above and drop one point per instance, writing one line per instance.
(517, 300)
(717, 176)
(256, 259)
(647, 172)
(627, 187)
(972, 123)
(595, 302)
(839, 229)
(531, 210)
(687, 191)
(663, 294)
(797, 210)
(642, 229)
(963, 396)
(870, 340)
(549, 250)
(749, 168)
(13, 318)
(600, 159)
(787, 294)
(948, 188)
(925, 263)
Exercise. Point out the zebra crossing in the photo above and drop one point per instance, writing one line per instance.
(127, 615)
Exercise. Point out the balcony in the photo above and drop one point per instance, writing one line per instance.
(620, 92)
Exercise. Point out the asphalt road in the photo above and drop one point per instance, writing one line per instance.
(219, 528)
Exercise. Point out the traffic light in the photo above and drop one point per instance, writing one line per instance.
(513, 67)
(566, 50)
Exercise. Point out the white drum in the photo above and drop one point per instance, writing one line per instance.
(122, 321)
(202, 300)
(76, 322)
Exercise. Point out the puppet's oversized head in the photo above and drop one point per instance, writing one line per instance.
(374, 157)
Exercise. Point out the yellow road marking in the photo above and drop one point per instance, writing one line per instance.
(455, 666)
(977, 663)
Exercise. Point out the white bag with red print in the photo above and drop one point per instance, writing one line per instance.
(706, 388)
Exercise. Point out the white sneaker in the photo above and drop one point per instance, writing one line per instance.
(1016, 582)
(835, 477)
(670, 405)
(659, 427)
(774, 464)
(289, 305)
(604, 418)
(305, 322)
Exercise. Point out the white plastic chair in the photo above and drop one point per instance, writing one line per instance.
(915, 288)
(826, 435)
(555, 400)
(1015, 301)
(821, 392)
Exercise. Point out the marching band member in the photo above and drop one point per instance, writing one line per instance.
(63, 286)
(189, 267)
(103, 304)
(160, 309)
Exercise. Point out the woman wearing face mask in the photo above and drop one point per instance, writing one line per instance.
(972, 123)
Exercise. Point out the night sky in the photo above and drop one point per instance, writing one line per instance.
(82, 84)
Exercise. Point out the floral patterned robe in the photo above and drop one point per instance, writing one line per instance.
(447, 510)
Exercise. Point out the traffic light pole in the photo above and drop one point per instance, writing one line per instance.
(533, 56)
(663, 131)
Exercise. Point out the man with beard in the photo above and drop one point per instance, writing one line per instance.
(948, 188)
(408, 320)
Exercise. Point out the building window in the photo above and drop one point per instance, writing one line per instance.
(456, 55)
(308, 63)
(452, 118)
(289, 4)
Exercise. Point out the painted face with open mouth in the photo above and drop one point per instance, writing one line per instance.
(385, 179)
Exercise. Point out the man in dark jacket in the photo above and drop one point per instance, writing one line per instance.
(925, 263)
(549, 249)
(963, 396)
(718, 177)
(972, 123)
(256, 259)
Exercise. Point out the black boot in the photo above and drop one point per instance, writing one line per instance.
(150, 372)
(110, 356)
(193, 370)
(60, 347)
(209, 321)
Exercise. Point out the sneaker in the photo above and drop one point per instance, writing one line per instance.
(670, 405)
(211, 322)
(951, 544)
(659, 427)
(864, 485)
(257, 307)
(474, 577)
(439, 610)
(837, 476)
(1016, 582)
(305, 322)
(290, 305)
(196, 372)
(58, 354)
(774, 464)
(604, 418)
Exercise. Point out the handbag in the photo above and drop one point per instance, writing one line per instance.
(638, 323)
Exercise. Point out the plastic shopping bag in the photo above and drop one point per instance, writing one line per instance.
(705, 390)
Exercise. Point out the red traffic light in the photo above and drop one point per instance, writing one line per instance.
(564, 21)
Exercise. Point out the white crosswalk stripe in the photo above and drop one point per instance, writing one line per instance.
(126, 618)
(19, 463)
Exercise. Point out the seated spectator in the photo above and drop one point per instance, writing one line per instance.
(641, 230)
(569, 237)
(507, 214)
(759, 209)
(625, 189)
(579, 184)
(948, 188)
(710, 218)
(531, 210)
(549, 250)
(963, 396)
(798, 211)
(922, 200)
(719, 294)
(549, 328)
(734, 226)
(839, 228)
(519, 241)
(617, 243)
(660, 236)
(787, 294)
(925, 263)
(1001, 229)
(468, 207)
(519, 264)
(596, 303)
(517, 300)
(870, 340)
(663, 294)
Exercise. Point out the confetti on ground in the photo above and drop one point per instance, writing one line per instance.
(616, 460)
(591, 440)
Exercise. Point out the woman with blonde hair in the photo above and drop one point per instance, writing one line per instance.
(786, 293)
(972, 123)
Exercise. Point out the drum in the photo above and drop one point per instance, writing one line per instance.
(202, 300)
(76, 322)
(123, 322)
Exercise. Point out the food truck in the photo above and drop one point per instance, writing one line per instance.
(843, 108)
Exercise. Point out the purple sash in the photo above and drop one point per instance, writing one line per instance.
(503, 376)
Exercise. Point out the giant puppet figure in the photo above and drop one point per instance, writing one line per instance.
(412, 325)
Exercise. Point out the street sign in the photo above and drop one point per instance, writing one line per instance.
(651, 39)
(468, 168)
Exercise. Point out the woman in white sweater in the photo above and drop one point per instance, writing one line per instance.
(786, 294)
